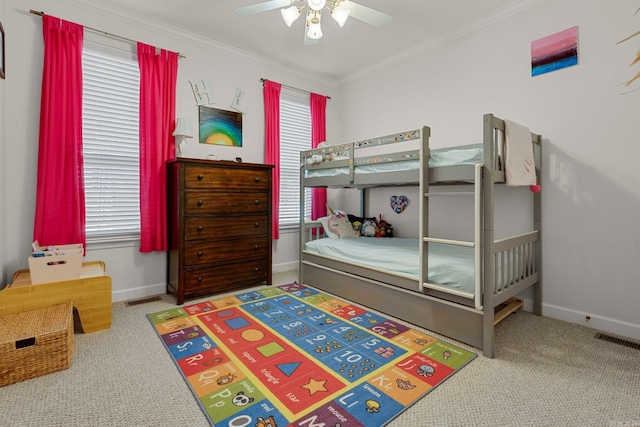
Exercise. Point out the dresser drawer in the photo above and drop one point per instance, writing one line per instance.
(205, 177)
(205, 252)
(200, 202)
(197, 228)
(223, 277)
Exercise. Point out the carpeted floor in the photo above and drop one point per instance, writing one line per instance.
(545, 373)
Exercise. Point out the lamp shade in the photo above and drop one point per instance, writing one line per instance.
(290, 14)
(183, 128)
(340, 15)
(315, 31)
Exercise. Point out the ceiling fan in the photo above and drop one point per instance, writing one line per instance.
(340, 10)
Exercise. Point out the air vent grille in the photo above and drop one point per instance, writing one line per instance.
(616, 340)
(143, 301)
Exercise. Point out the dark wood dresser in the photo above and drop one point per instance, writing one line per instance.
(219, 218)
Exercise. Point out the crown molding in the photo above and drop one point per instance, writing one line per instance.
(149, 24)
(152, 25)
(477, 24)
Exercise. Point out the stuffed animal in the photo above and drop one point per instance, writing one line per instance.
(368, 228)
(364, 226)
(383, 228)
(327, 156)
(314, 159)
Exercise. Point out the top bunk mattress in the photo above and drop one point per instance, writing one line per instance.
(452, 266)
(459, 156)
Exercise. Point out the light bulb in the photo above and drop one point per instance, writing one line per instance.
(316, 4)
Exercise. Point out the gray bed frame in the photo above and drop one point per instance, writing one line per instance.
(430, 305)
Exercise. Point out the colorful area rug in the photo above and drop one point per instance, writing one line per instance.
(293, 356)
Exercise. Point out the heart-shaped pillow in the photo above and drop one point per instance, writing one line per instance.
(398, 203)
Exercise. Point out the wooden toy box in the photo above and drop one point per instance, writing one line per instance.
(90, 295)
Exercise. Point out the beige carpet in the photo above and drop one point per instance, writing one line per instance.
(545, 373)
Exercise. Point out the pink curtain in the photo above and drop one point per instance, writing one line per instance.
(60, 212)
(318, 135)
(271, 93)
(158, 74)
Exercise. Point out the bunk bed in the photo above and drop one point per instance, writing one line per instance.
(452, 287)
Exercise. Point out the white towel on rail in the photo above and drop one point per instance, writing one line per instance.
(520, 165)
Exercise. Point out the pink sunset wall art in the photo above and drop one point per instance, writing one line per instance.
(556, 51)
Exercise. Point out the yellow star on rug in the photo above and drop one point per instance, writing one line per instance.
(314, 386)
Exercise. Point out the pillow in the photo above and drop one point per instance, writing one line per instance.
(338, 227)
(364, 226)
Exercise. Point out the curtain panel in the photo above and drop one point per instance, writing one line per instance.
(60, 206)
(318, 104)
(271, 93)
(158, 75)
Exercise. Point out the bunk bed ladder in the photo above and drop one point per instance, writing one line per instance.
(476, 243)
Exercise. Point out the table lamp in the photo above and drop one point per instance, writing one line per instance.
(182, 132)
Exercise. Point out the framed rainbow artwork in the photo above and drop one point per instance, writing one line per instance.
(556, 51)
(220, 127)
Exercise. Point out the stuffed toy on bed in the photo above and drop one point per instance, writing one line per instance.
(383, 228)
(337, 225)
(364, 226)
(314, 159)
(327, 156)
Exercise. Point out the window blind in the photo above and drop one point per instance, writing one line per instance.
(110, 142)
(295, 136)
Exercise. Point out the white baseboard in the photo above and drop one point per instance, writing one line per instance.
(161, 288)
(604, 324)
(139, 292)
(285, 266)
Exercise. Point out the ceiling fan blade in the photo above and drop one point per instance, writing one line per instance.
(262, 7)
(366, 14)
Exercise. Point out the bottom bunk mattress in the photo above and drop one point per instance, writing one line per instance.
(452, 266)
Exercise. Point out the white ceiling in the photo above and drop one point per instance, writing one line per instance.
(415, 25)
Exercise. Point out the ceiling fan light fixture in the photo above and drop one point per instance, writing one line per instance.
(315, 31)
(316, 5)
(340, 15)
(290, 14)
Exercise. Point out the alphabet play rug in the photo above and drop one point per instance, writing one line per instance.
(293, 356)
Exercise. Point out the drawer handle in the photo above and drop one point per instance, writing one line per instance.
(256, 224)
(256, 247)
(200, 202)
(256, 269)
(257, 179)
(200, 253)
(199, 279)
(199, 228)
(257, 202)
(200, 177)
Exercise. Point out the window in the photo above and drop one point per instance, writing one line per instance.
(295, 136)
(110, 123)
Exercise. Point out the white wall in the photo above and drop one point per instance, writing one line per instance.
(591, 137)
(133, 274)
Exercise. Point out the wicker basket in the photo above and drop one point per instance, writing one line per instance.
(35, 343)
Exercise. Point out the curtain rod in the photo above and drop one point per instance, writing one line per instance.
(262, 79)
(35, 12)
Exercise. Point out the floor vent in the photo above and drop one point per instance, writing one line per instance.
(143, 301)
(617, 340)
